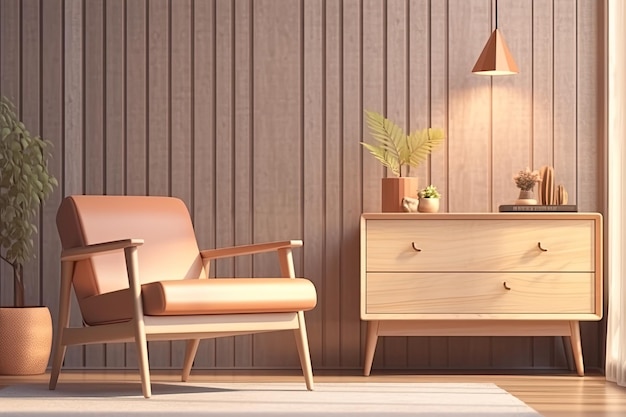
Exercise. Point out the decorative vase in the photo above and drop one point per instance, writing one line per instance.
(526, 197)
(428, 205)
(394, 189)
(25, 340)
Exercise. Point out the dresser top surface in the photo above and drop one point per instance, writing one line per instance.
(482, 216)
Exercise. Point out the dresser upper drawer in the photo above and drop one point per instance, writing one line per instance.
(480, 245)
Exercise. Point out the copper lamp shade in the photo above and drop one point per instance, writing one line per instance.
(496, 59)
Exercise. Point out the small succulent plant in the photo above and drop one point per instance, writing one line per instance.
(429, 192)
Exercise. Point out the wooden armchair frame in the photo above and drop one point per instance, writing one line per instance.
(143, 328)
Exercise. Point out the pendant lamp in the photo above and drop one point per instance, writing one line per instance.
(495, 59)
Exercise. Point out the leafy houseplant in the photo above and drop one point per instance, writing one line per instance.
(397, 150)
(24, 185)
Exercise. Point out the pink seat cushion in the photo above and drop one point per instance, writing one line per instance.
(228, 296)
(204, 296)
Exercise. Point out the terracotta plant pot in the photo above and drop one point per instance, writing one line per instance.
(25, 340)
(394, 189)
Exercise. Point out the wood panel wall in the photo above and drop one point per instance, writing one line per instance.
(252, 113)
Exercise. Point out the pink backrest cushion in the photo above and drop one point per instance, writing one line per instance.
(170, 250)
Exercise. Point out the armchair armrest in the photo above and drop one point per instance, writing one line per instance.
(84, 252)
(249, 249)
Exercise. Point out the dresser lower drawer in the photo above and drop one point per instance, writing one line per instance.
(479, 293)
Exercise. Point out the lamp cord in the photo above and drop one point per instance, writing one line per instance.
(496, 14)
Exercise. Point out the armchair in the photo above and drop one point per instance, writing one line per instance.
(138, 275)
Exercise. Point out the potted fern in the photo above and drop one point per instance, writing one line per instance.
(24, 185)
(399, 152)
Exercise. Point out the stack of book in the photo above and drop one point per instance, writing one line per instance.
(569, 208)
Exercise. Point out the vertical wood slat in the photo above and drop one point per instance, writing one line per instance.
(332, 183)
(135, 97)
(373, 96)
(31, 92)
(565, 118)
(243, 150)
(351, 179)
(204, 102)
(438, 55)
(512, 144)
(10, 87)
(181, 89)
(94, 157)
(52, 119)
(159, 126)
(158, 97)
(469, 138)
(590, 106)
(114, 85)
(397, 61)
(73, 122)
(114, 124)
(419, 70)
(224, 162)
(542, 128)
(313, 167)
(543, 81)
(158, 115)
(93, 97)
(277, 159)
(136, 113)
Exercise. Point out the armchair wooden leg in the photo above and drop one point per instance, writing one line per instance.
(302, 343)
(63, 321)
(190, 354)
(144, 366)
(139, 327)
(57, 362)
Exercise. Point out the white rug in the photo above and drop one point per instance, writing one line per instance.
(264, 399)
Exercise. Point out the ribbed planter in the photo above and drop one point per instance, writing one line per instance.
(25, 340)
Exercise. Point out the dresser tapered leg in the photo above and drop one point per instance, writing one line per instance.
(370, 345)
(577, 349)
(569, 355)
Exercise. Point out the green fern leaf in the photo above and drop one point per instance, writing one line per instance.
(421, 143)
(391, 139)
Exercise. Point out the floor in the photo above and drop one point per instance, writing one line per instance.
(552, 395)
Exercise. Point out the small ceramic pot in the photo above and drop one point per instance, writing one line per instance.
(428, 205)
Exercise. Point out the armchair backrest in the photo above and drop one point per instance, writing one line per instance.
(170, 250)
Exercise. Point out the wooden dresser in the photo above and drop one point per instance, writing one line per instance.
(494, 274)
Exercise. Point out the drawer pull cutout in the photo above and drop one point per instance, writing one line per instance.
(506, 287)
(542, 249)
(416, 249)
